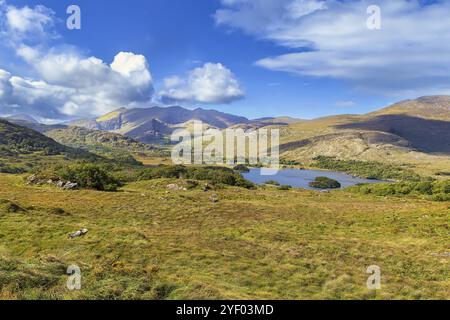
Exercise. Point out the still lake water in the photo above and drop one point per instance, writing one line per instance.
(301, 178)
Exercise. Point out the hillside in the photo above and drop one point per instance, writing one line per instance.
(78, 137)
(21, 117)
(429, 107)
(252, 244)
(22, 148)
(415, 133)
(15, 139)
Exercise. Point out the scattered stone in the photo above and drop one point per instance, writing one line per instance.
(175, 187)
(70, 186)
(79, 233)
(206, 187)
(50, 181)
(32, 179)
(214, 198)
(60, 184)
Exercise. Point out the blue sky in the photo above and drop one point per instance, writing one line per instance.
(260, 58)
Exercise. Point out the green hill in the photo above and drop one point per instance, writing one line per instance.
(94, 139)
(15, 139)
(22, 148)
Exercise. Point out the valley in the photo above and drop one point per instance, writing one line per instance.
(204, 232)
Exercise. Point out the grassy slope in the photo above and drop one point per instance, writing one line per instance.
(146, 243)
(25, 148)
(333, 136)
(91, 139)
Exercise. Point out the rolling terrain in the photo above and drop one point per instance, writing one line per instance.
(22, 148)
(414, 133)
(146, 242)
(160, 237)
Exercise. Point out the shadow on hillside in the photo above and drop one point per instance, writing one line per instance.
(426, 135)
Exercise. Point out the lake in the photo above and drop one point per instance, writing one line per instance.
(301, 178)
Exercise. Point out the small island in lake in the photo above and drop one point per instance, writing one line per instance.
(325, 183)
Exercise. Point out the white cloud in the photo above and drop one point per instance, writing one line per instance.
(410, 55)
(28, 22)
(78, 87)
(70, 84)
(132, 66)
(211, 83)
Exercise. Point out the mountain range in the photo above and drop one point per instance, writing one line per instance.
(411, 132)
(155, 124)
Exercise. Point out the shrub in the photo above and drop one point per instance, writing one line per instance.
(90, 176)
(213, 175)
(163, 172)
(442, 187)
(285, 187)
(241, 168)
(325, 183)
(272, 183)
(369, 170)
(434, 190)
(11, 169)
(290, 162)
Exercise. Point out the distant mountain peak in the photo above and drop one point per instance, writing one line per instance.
(22, 117)
(148, 124)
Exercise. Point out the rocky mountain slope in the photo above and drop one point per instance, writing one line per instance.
(153, 124)
(78, 137)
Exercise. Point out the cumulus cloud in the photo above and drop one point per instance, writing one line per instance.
(26, 24)
(78, 87)
(211, 83)
(410, 55)
(66, 84)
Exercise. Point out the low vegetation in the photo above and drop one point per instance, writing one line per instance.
(241, 168)
(272, 183)
(86, 175)
(366, 169)
(325, 183)
(431, 190)
(213, 175)
(150, 243)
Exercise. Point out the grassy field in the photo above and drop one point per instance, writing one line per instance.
(146, 242)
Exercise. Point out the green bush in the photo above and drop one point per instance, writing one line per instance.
(325, 183)
(241, 168)
(434, 190)
(285, 187)
(90, 176)
(11, 169)
(290, 162)
(272, 183)
(369, 170)
(213, 175)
